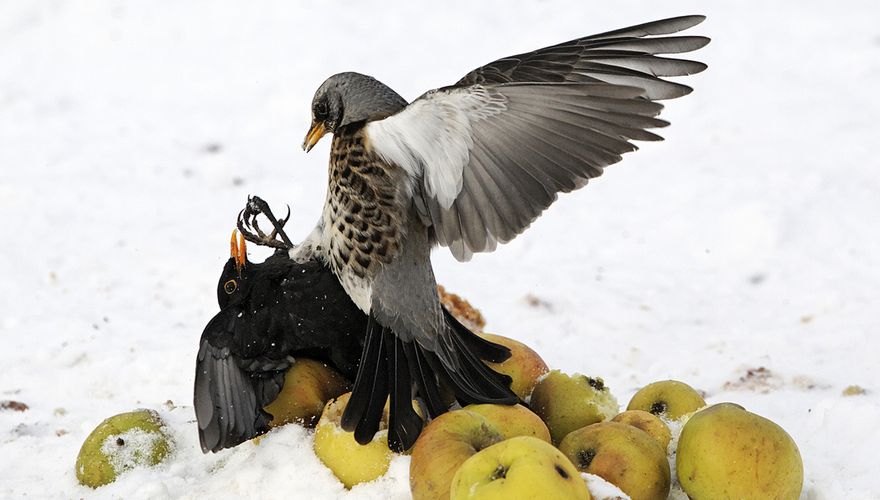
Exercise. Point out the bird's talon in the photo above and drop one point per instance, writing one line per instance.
(250, 228)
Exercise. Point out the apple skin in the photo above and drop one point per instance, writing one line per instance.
(308, 385)
(623, 455)
(648, 422)
(524, 366)
(569, 402)
(668, 398)
(120, 443)
(521, 467)
(337, 449)
(725, 451)
(455, 436)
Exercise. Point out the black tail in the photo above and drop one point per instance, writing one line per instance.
(391, 366)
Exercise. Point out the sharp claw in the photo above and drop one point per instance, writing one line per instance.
(283, 221)
(260, 231)
(248, 224)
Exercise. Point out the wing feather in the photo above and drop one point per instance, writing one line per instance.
(489, 154)
(621, 56)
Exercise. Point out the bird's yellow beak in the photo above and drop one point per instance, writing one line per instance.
(238, 250)
(315, 133)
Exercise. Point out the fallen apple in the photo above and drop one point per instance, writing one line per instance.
(623, 455)
(121, 443)
(453, 437)
(669, 398)
(524, 366)
(349, 461)
(647, 422)
(725, 451)
(569, 402)
(308, 385)
(521, 467)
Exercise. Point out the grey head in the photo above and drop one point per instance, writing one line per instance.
(347, 98)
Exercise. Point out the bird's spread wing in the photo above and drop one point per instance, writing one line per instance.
(489, 154)
(626, 56)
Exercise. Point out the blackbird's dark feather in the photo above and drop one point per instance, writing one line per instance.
(279, 310)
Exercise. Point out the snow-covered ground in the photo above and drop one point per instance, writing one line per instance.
(132, 132)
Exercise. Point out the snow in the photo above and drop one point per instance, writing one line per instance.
(131, 134)
(601, 489)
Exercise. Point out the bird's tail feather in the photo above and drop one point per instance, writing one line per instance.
(370, 386)
(404, 424)
(391, 366)
(487, 350)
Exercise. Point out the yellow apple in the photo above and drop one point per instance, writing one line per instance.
(523, 468)
(569, 402)
(121, 443)
(725, 451)
(669, 398)
(524, 366)
(308, 385)
(623, 455)
(453, 437)
(349, 461)
(647, 422)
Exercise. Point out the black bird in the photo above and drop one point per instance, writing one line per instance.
(270, 314)
(468, 166)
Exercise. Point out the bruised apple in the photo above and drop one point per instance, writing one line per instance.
(569, 402)
(623, 455)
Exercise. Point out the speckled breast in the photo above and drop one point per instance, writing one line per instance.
(363, 210)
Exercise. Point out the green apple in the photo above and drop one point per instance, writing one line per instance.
(453, 437)
(522, 467)
(308, 385)
(524, 366)
(623, 455)
(121, 443)
(569, 402)
(647, 422)
(669, 398)
(349, 461)
(725, 451)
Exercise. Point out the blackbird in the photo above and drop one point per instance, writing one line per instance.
(270, 314)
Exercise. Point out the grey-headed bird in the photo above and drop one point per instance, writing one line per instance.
(467, 166)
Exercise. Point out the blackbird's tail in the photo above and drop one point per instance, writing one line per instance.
(393, 367)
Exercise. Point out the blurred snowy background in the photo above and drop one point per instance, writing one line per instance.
(741, 255)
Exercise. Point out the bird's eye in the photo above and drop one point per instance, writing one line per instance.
(230, 286)
(321, 109)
